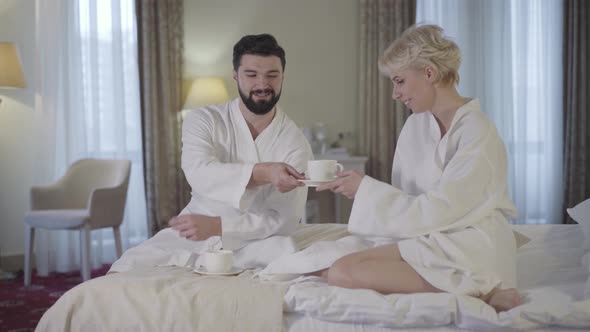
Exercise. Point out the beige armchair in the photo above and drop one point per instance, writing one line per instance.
(91, 195)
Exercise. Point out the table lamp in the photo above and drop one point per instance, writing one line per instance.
(205, 91)
(11, 74)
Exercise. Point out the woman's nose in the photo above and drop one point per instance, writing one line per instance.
(395, 95)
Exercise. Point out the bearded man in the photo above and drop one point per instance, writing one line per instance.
(243, 159)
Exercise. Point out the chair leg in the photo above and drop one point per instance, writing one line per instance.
(29, 246)
(118, 244)
(85, 252)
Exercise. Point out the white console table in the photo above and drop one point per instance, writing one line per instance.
(349, 163)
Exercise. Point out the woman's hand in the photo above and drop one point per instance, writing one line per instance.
(347, 184)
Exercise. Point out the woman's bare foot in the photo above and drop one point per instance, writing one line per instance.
(503, 299)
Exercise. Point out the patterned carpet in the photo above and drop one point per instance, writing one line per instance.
(21, 307)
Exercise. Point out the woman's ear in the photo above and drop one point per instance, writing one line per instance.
(430, 73)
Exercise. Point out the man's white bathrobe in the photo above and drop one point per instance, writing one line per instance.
(218, 155)
(448, 203)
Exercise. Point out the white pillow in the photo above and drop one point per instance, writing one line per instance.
(581, 214)
(520, 238)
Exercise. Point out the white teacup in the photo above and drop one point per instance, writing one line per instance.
(323, 170)
(219, 261)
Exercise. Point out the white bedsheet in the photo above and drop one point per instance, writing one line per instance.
(168, 248)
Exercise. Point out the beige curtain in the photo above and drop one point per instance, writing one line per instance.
(160, 55)
(380, 118)
(576, 102)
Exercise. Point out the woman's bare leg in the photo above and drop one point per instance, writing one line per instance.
(381, 269)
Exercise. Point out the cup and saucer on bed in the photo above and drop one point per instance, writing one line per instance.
(220, 263)
(320, 172)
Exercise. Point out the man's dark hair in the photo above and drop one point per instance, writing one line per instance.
(263, 44)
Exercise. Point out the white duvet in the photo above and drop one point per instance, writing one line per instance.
(551, 279)
(550, 276)
(167, 299)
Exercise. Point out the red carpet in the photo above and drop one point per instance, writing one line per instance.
(21, 308)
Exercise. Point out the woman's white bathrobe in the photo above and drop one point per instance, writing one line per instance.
(448, 203)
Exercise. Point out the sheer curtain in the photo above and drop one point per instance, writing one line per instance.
(512, 61)
(87, 105)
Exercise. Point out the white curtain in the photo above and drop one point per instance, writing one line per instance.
(512, 61)
(87, 105)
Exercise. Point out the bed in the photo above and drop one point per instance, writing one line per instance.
(553, 276)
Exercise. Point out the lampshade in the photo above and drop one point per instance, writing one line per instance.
(11, 74)
(206, 91)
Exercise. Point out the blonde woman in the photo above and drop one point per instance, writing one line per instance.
(448, 203)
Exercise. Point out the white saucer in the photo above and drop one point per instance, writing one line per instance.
(234, 270)
(316, 183)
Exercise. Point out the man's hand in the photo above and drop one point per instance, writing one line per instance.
(196, 227)
(282, 176)
(347, 184)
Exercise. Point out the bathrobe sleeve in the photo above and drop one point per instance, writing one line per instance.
(464, 195)
(278, 214)
(206, 174)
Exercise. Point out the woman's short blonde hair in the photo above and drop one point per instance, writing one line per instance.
(421, 46)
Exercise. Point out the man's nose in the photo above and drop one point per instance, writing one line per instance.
(262, 81)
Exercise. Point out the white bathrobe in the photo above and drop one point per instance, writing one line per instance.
(218, 154)
(448, 203)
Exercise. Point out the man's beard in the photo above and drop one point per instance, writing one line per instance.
(261, 107)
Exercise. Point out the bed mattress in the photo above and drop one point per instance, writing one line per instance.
(551, 278)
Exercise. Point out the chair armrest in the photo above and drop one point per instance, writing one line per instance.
(47, 197)
(107, 206)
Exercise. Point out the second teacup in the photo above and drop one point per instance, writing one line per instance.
(323, 170)
(219, 261)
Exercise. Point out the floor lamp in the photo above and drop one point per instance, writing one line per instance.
(11, 76)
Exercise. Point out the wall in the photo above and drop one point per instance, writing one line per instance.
(17, 24)
(320, 39)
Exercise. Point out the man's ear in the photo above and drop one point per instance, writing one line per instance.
(235, 75)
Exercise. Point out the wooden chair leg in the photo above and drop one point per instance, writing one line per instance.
(85, 252)
(118, 243)
(29, 246)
